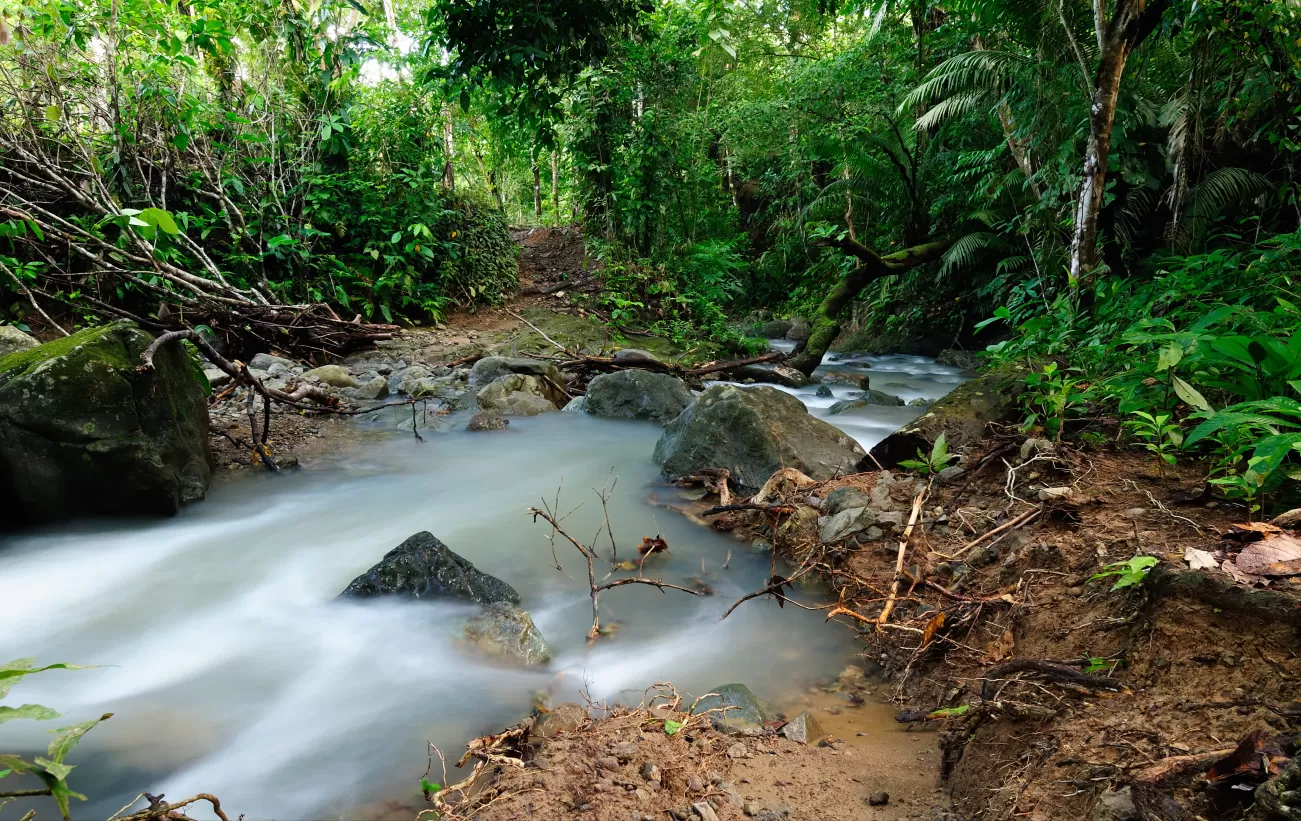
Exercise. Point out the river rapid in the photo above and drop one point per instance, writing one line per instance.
(232, 669)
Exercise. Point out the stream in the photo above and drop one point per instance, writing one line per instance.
(232, 669)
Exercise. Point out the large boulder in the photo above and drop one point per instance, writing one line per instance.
(962, 416)
(800, 330)
(84, 433)
(504, 631)
(422, 567)
(869, 397)
(336, 376)
(773, 329)
(12, 339)
(776, 374)
(754, 432)
(654, 397)
(737, 709)
(516, 395)
(491, 368)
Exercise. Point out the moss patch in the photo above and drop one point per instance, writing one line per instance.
(21, 362)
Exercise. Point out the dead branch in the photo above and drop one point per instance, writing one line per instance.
(590, 555)
(1012, 524)
(898, 562)
(774, 587)
(160, 809)
(782, 510)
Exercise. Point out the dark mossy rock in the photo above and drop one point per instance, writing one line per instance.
(776, 374)
(636, 394)
(962, 415)
(506, 632)
(869, 397)
(744, 711)
(876, 341)
(754, 432)
(800, 329)
(773, 329)
(422, 567)
(84, 433)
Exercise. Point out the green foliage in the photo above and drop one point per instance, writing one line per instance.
(1052, 395)
(1128, 573)
(928, 464)
(671, 726)
(1160, 437)
(52, 768)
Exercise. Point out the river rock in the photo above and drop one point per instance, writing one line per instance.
(217, 378)
(824, 392)
(636, 394)
(83, 433)
(376, 388)
(955, 358)
(800, 330)
(576, 405)
(12, 339)
(774, 329)
(631, 355)
(516, 395)
(846, 523)
(565, 718)
(491, 368)
(505, 631)
(336, 376)
(853, 380)
(422, 567)
(486, 420)
(402, 380)
(264, 361)
(754, 432)
(843, 498)
(803, 729)
(776, 374)
(869, 397)
(745, 713)
(962, 416)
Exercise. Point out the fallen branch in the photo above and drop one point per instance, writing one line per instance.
(1011, 524)
(899, 557)
(774, 587)
(160, 809)
(1053, 672)
(782, 510)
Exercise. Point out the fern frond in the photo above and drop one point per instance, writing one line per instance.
(1223, 188)
(989, 73)
(965, 250)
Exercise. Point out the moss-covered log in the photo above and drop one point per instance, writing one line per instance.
(826, 323)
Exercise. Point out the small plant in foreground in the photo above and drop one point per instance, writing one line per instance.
(1052, 395)
(927, 464)
(1129, 573)
(1159, 436)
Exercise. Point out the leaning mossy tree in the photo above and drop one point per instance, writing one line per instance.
(871, 267)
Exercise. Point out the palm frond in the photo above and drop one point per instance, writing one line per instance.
(952, 108)
(1223, 188)
(987, 73)
(966, 250)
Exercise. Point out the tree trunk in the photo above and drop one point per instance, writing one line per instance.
(449, 151)
(826, 325)
(537, 191)
(1130, 24)
(555, 185)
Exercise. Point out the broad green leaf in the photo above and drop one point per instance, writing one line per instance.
(16, 669)
(51, 112)
(32, 711)
(55, 768)
(671, 727)
(161, 220)
(1190, 395)
(68, 737)
(1169, 356)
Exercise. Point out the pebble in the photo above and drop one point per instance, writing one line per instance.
(625, 750)
(695, 784)
(705, 811)
(738, 750)
(651, 772)
(879, 798)
(609, 762)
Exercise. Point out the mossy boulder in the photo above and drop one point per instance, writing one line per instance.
(732, 708)
(84, 433)
(962, 416)
(754, 432)
(637, 394)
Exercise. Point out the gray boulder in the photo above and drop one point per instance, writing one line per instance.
(336, 376)
(264, 361)
(491, 368)
(774, 329)
(744, 712)
(800, 330)
(653, 397)
(844, 498)
(754, 432)
(376, 388)
(12, 340)
(83, 433)
(516, 395)
(486, 420)
(422, 567)
(631, 355)
(824, 392)
(403, 380)
(505, 631)
(576, 405)
(869, 397)
(955, 358)
(803, 729)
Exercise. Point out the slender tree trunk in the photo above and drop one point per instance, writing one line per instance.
(1130, 23)
(537, 191)
(555, 185)
(449, 151)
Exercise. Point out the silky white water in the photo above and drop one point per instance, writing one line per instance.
(231, 668)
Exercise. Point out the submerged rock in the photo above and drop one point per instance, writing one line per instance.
(634, 394)
(744, 713)
(505, 631)
(84, 433)
(754, 432)
(869, 397)
(422, 567)
(487, 420)
(12, 340)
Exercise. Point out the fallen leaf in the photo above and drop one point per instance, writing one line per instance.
(1257, 758)
(1200, 559)
(1290, 519)
(1251, 531)
(1238, 576)
(1003, 647)
(932, 627)
(1279, 555)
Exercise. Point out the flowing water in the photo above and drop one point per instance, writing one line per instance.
(232, 669)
